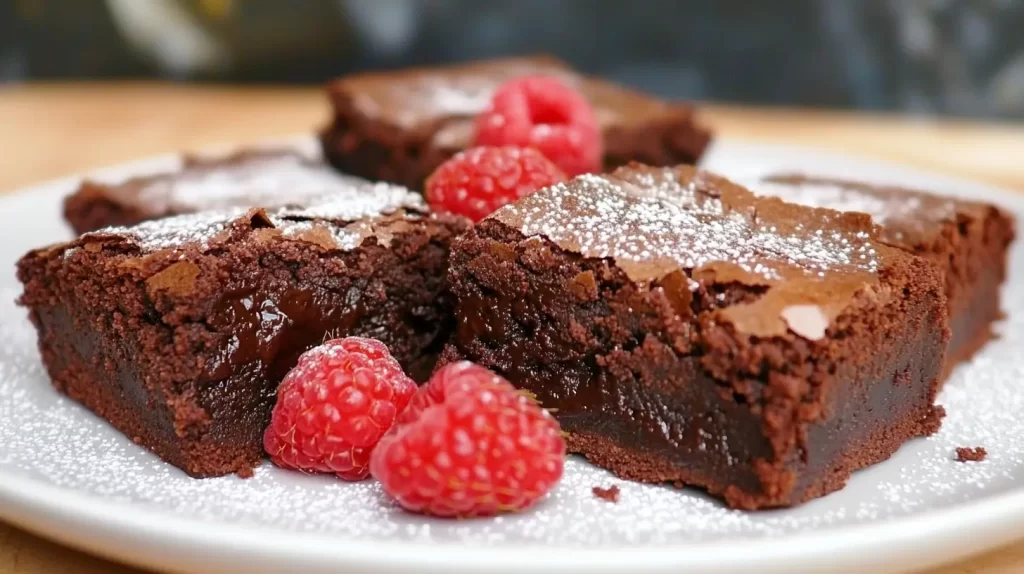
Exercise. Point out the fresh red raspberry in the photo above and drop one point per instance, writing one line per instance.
(478, 181)
(469, 444)
(543, 113)
(334, 407)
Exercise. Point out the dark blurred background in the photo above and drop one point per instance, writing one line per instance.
(952, 57)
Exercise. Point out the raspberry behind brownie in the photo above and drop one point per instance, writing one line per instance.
(688, 331)
(399, 126)
(243, 179)
(967, 240)
(178, 330)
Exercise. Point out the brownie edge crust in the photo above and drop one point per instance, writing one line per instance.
(667, 361)
(178, 331)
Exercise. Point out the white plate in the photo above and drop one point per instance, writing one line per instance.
(67, 475)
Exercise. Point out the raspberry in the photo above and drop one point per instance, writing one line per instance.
(469, 445)
(334, 407)
(478, 181)
(543, 113)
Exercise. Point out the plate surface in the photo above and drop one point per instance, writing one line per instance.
(66, 474)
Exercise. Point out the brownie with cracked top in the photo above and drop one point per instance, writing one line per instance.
(399, 126)
(689, 331)
(178, 330)
(968, 240)
(242, 179)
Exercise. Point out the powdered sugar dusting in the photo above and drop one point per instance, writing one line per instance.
(349, 203)
(410, 98)
(259, 180)
(906, 216)
(344, 238)
(653, 218)
(467, 99)
(357, 200)
(191, 228)
(832, 196)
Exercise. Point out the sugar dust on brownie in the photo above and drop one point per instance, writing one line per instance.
(967, 240)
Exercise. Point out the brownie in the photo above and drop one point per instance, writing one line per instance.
(684, 330)
(610, 494)
(399, 126)
(177, 331)
(971, 454)
(967, 240)
(245, 178)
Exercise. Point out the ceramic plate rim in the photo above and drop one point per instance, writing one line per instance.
(849, 548)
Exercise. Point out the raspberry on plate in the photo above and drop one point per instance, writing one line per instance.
(543, 113)
(470, 444)
(334, 407)
(477, 181)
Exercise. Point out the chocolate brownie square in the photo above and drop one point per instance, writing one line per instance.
(246, 178)
(967, 240)
(178, 330)
(685, 330)
(399, 126)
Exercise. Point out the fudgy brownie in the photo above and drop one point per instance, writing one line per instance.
(967, 240)
(399, 126)
(686, 330)
(178, 330)
(247, 178)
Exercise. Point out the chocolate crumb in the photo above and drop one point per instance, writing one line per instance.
(968, 454)
(611, 494)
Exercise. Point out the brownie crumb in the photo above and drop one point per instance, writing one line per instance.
(968, 454)
(611, 494)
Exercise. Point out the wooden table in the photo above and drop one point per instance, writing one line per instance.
(48, 131)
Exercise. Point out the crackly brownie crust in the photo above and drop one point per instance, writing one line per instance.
(399, 126)
(178, 331)
(687, 332)
(968, 240)
(272, 177)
